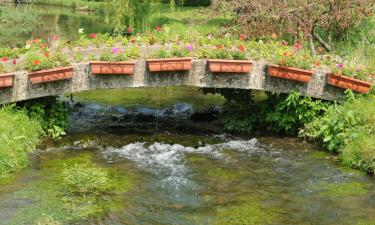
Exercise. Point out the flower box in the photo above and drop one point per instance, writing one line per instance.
(348, 83)
(6, 80)
(118, 68)
(44, 76)
(229, 66)
(290, 73)
(169, 64)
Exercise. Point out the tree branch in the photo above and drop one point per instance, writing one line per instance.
(322, 42)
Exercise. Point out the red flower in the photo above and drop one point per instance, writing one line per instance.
(36, 62)
(93, 35)
(298, 45)
(158, 28)
(5, 59)
(14, 61)
(130, 30)
(242, 48)
(243, 37)
(46, 54)
(36, 41)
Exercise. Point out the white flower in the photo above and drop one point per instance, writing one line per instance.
(260, 41)
(80, 31)
(28, 46)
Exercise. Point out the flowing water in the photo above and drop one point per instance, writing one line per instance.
(178, 175)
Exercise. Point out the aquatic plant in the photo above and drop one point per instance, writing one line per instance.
(86, 178)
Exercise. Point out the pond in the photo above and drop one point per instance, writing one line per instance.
(185, 172)
(19, 23)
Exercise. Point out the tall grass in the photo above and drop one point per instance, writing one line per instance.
(19, 136)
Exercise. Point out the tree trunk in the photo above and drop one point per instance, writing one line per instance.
(311, 45)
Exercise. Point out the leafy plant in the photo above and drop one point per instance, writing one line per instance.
(298, 59)
(357, 72)
(177, 51)
(293, 112)
(86, 178)
(41, 60)
(52, 114)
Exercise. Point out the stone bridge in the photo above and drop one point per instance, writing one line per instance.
(198, 76)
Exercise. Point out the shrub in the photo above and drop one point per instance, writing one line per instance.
(19, 136)
(86, 179)
(52, 114)
(293, 112)
(348, 129)
(177, 51)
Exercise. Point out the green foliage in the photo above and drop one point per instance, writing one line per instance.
(277, 112)
(19, 136)
(47, 220)
(349, 130)
(86, 179)
(52, 114)
(298, 59)
(355, 71)
(177, 51)
(293, 112)
(221, 54)
(41, 60)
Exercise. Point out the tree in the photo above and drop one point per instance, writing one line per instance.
(310, 19)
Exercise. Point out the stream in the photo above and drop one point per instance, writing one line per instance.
(183, 172)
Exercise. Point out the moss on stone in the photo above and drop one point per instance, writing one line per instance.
(49, 197)
(346, 189)
(249, 210)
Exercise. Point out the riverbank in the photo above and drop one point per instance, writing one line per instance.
(19, 138)
(79, 5)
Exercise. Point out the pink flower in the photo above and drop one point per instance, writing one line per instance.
(130, 30)
(55, 37)
(158, 28)
(5, 59)
(93, 35)
(284, 43)
(115, 50)
(190, 48)
(14, 61)
(210, 37)
(340, 65)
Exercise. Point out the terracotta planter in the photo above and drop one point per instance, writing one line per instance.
(290, 73)
(171, 64)
(349, 83)
(118, 68)
(229, 66)
(44, 76)
(6, 80)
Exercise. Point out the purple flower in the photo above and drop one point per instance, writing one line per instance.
(284, 43)
(340, 65)
(190, 48)
(115, 50)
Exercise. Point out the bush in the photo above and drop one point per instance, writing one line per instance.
(85, 179)
(52, 114)
(348, 129)
(19, 136)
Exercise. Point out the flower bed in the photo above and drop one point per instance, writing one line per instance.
(6, 80)
(345, 82)
(229, 66)
(50, 75)
(169, 64)
(290, 73)
(118, 68)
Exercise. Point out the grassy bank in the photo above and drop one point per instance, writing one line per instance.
(19, 136)
(348, 129)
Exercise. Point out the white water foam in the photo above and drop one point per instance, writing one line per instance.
(167, 161)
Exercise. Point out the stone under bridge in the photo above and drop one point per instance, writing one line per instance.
(198, 76)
